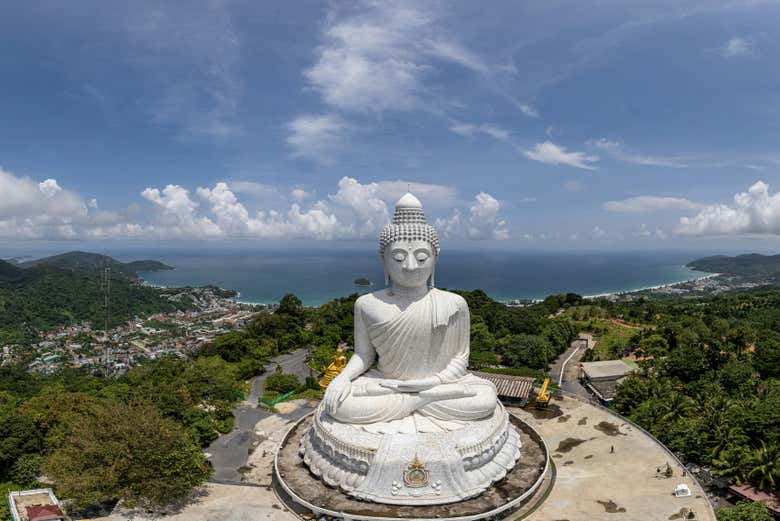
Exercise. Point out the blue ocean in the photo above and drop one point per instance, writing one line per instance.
(316, 273)
(316, 277)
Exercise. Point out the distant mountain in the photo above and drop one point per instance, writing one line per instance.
(93, 263)
(749, 265)
(10, 273)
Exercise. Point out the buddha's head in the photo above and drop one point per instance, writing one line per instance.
(409, 246)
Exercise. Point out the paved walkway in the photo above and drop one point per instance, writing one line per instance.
(218, 502)
(569, 363)
(595, 484)
(229, 452)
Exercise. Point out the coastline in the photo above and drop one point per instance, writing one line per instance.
(238, 298)
(648, 288)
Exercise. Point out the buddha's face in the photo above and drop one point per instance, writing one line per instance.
(409, 263)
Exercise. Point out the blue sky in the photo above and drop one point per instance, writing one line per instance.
(526, 124)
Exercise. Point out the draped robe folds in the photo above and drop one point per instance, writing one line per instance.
(430, 337)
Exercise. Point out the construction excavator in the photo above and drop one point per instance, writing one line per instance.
(543, 396)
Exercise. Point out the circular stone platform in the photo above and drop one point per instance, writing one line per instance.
(522, 486)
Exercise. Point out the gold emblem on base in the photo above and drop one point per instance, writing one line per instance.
(416, 475)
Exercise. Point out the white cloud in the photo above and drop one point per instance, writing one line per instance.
(736, 47)
(375, 57)
(753, 212)
(617, 151)
(650, 203)
(299, 194)
(467, 129)
(177, 216)
(483, 222)
(369, 212)
(529, 111)
(316, 137)
(22, 197)
(599, 233)
(453, 51)
(552, 154)
(35, 210)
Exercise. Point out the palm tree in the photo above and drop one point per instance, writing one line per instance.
(765, 466)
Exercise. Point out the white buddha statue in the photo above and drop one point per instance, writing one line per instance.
(404, 422)
(419, 334)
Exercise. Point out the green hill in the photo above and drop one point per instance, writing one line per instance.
(41, 296)
(93, 263)
(749, 265)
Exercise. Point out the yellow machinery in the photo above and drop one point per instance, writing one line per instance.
(543, 397)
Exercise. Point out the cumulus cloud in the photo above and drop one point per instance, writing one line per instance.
(736, 47)
(176, 213)
(355, 210)
(299, 194)
(650, 203)
(483, 221)
(618, 151)
(316, 137)
(753, 212)
(34, 210)
(552, 154)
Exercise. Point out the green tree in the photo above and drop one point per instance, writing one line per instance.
(654, 345)
(281, 383)
(528, 350)
(290, 305)
(127, 452)
(745, 511)
(767, 359)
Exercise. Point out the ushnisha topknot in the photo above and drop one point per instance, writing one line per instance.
(408, 224)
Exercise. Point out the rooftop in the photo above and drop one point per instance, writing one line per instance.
(509, 386)
(606, 369)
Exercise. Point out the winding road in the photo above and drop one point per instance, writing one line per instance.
(565, 370)
(230, 451)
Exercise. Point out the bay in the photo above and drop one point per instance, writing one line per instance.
(319, 276)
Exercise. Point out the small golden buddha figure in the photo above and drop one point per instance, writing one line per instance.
(335, 367)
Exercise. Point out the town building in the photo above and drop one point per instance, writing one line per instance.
(603, 378)
(35, 505)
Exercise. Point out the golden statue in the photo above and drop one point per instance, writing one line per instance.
(334, 368)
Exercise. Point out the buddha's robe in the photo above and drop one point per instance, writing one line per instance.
(430, 337)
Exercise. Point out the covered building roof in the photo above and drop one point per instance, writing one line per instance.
(605, 390)
(770, 500)
(508, 386)
(605, 370)
(44, 513)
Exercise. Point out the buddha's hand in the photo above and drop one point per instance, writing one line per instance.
(337, 391)
(413, 386)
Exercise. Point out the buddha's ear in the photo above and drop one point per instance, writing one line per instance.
(433, 275)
